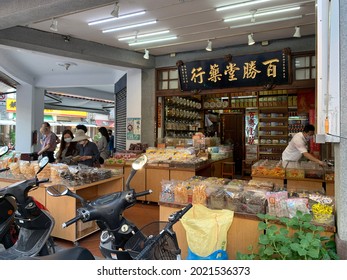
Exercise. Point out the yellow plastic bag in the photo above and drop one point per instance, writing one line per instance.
(207, 229)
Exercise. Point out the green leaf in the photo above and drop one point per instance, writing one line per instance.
(284, 250)
(309, 236)
(302, 252)
(316, 243)
(284, 231)
(313, 253)
(307, 218)
(263, 239)
(268, 251)
(304, 243)
(262, 226)
(295, 246)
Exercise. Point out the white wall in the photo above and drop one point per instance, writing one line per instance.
(134, 99)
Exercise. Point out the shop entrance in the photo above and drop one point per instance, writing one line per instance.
(232, 132)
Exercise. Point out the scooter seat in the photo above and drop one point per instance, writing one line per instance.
(75, 253)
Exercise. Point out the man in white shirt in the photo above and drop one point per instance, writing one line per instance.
(297, 147)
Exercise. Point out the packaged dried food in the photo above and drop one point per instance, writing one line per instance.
(277, 205)
(199, 194)
(167, 191)
(215, 198)
(181, 193)
(297, 204)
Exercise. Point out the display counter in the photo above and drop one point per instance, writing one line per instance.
(64, 208)
(242, 233)
(151, 176)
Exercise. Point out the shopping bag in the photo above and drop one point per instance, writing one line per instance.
(206, 229)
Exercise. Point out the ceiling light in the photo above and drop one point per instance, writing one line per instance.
(129, 26)
(54, 25)
(265, 21)
(297, 33)
(152, 41)
(247, 3)
(143, 35)
(146, 55)
(250, 40)
(115, 12)
(246, 16)
(209, 46)
(116, 18)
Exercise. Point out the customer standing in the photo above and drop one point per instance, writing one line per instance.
(49, 143)
(111, 142)
(68, 149)
(47, 124)
(103, 144)
(298, 147)
(88, 151)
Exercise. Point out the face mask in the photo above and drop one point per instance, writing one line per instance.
(68, 140)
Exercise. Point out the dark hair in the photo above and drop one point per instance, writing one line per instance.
(109, 131)
(62, 146)
(46, 124)
(104, 132)
(308, 127)
(83, 127)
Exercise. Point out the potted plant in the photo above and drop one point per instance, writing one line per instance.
(294, 238)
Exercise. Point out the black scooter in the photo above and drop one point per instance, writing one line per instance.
(35, 223)
(8, 229)
(120, 239)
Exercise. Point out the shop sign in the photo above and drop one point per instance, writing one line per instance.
(11, 108)
(251, 126)
(235, 71)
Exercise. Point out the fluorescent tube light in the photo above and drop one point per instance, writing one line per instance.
(219, 9)
(129, 26)
(246, 16)
(152, 41)
(116, 18)
(264, 22)
(143, 35)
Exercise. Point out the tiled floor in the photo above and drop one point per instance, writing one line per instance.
(141, 214)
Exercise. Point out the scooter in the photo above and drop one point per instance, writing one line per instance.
(8, 229)
(35, 222)
(121, 239)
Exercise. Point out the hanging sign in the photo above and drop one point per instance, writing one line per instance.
(265, 69)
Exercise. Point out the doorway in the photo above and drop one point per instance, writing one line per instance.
(232, 132)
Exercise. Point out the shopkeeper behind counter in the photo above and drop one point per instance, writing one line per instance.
(88, 151)
(298, 146)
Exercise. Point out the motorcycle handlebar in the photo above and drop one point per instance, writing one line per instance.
(143, 193)
(42, 181)
(4, 169)
(70, 222)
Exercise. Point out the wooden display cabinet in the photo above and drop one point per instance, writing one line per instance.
(273, 132)
(64, 208)
(154, 177)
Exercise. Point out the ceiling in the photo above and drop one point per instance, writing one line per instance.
(192, 22)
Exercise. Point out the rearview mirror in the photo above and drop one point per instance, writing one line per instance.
(57, 190)
(3, 150)
(43, 162)
(139, 162)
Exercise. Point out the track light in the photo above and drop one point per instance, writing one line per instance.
(250, 40)
(297, 33)
(54, 25)
(115, 12)
(146, 55)
(209, 46)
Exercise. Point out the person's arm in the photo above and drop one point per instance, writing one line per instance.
(314, 159)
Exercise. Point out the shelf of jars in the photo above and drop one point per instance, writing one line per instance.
(183, 117)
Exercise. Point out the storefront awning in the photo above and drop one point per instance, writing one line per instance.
(105, 123)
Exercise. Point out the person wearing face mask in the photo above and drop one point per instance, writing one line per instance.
(67, 150)
(88, 151)
(298, 147)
